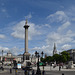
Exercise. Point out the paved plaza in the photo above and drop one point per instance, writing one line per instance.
(50, 68)
(48, 71)
(21, 72)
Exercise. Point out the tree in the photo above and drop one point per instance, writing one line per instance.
(41, 59)
(50, 59)
(66, 54)
(63, 59)
(56, 57)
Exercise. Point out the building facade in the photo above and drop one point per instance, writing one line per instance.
(8, 58)
(72, 54)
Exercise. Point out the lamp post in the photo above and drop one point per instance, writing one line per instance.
(36, 53)
(42, 54)
(38, 72)
(23, 57)
(42, 57)
(59, 62)
(73, 57)
(2, 59)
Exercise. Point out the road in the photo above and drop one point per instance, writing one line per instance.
(60, 73)
(21, 72)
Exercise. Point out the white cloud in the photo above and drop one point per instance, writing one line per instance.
(43, 26)
(64, 26)
(5, 50)
(19, 31)
(69, 33)
(14, 50)
(3, 10)
(2, 36)
(73, 19)
(59, 38)
(66, 47)
(63, 39)
(47, 25)
(59, 16)
(33, 31)
(46, 49)
(52, 37)
(39, 48)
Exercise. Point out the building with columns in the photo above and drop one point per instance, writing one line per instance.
(9, 57)
(72, 54)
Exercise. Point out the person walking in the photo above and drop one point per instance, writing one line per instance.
(25, 72)
(10, 70)
(32, 72)
(43, 72)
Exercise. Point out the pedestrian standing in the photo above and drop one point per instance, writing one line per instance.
(59, 68)
(28, 73)
(43, 72)
(10, 70)
(32, 72)
(62, 73)
(25, 72)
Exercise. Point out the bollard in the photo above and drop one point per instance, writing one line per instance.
(62, 73)
(15, 72)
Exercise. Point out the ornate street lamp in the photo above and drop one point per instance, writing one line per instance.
(2, 59)
(42, 54)
(23, 57)
(38, 72)
(36, 53)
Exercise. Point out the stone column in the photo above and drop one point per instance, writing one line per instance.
(26, 37)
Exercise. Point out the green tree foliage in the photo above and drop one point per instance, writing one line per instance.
(56, 57)
(66, 54)
(47, 59)
(42, 59)
(62, 57)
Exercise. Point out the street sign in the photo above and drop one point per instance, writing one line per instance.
(18, 65)
(40, 64)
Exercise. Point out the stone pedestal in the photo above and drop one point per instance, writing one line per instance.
(70, 64)
(26, 58)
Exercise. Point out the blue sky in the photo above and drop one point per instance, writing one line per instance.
(50, 21)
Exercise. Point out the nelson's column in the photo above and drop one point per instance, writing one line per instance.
(26, 54)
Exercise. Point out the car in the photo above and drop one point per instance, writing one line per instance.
(26, 68)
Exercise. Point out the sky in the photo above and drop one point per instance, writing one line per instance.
(50, 21)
